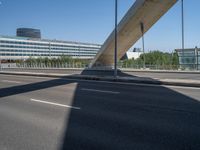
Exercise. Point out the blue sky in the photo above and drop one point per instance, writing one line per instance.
(92, 21)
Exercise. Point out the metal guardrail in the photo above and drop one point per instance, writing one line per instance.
(85, 66)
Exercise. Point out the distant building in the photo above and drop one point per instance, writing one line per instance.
(133, 54)
(189, 58)
(29, 32)
(14, 48)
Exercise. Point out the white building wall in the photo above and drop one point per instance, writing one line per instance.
(135, 55)
(14, 48)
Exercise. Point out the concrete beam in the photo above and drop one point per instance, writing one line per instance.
(147, 12)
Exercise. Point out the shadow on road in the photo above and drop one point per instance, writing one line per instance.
(128, 117)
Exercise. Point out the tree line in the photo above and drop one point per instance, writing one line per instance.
(57, 61)
(154, 58)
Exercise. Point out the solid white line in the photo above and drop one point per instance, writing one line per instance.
(55, 104)
(9, 81)
(93, 90)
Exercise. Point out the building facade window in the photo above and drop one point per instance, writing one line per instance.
(189, 58)
(22, 48)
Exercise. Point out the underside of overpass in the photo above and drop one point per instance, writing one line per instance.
(146, 12)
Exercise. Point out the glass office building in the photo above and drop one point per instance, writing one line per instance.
(28, 32)
(16, 48)
(189, 58)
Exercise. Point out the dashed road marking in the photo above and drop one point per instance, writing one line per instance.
(10, 81)
(55, 104)
(93, 90)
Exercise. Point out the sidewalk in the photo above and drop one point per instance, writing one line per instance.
(141, 80)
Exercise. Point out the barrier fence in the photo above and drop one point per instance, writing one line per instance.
(86, 66)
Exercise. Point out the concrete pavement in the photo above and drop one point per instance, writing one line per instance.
(111, 115)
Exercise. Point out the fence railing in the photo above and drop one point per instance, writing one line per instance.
(85, 66)
(52, 65)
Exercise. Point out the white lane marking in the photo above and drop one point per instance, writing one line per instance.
(55, 104)
(93, 90)
(9, 81)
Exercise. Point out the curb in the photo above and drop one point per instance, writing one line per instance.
(161, 71)
(122, 69)
(191, 83)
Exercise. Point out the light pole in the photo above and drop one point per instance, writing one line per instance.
(115, 55)
(142, 30)
(0, 52)
(0, 61)
(183, 34)
(197, 58)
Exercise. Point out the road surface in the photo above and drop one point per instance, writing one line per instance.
(56, 114)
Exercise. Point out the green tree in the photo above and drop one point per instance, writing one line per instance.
(154, 58)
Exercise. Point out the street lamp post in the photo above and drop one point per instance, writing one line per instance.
(0, 61)
(183, 34)
(197, 58)
(182, 14)
(142, 30)
(115, 55)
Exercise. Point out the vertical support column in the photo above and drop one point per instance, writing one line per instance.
(115, 55)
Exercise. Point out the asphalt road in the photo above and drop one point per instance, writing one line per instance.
(161, 75)
(56, 114)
